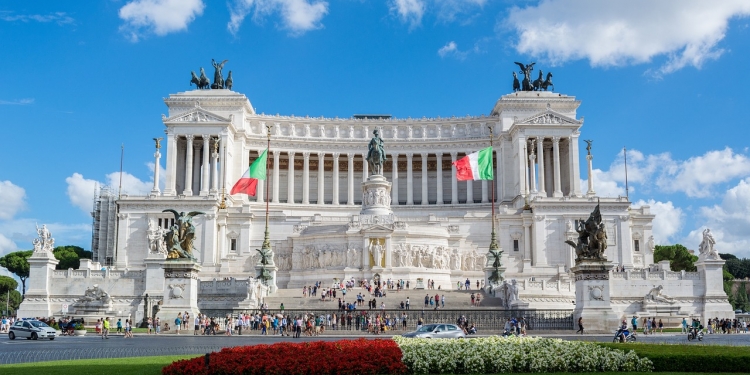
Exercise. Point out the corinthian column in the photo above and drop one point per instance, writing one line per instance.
(540, 158)
(365, 167)
(170, 188)
(439, 158)
(409, 179)
(454, 181)
(276, 155)
(335, 196)
(394, 179)
(321, 178)
(350, 177)
(556, 155)
(306, 178)
(290, 179)
(206, 172)
(188, 166)
(425, 196)
(157, 161)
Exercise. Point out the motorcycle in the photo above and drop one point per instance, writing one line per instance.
(695, 334)
(624, 336)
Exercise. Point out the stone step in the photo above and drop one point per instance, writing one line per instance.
(292, 298)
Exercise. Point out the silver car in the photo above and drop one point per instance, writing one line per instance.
(31, 330)
(437, 331)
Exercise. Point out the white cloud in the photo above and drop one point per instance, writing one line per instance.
(409, 11)
(12, 199)
(668, 221)
(298, 16)
(615, 33)
(158, 16)
(697, 175)
(81, 191)
(61, 18)
(6, 245)
(729, 221)
(25, 101)
(450, 47)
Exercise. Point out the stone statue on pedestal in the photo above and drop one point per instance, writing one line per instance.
(656, 295)
(180, 238)
(45, 242)
(706, 248)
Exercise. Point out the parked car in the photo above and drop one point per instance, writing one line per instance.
(437, 331)
(31, 330)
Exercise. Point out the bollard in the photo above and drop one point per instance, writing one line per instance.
(208, 359)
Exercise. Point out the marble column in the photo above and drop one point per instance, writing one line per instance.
(540, 161)
(215, 177)
(409, 179)
(485, 194)
(590, 159)
(276, 155)
(439, 158)
(575, 171)
(188, 165)
(527, 239)
(223, 166)
(335, 179)
(454, 181)
(526, 169)
(306, 178)
(290, 179)
(206, 173)
(532, 172)
(157, 161)
(556, 155)
(469, 191)
(394, 178)
(350, 178)
(365, 168)
(425, 196)
(170, 188)
(195, 182)
(321, 178)
(522, 171)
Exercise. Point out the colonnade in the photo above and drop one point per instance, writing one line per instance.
(536, 176)
(327, 190)
(193, 164)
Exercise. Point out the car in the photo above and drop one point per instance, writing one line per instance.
(31, 330)
(437, 331)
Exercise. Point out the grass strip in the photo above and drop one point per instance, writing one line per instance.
(108, 366)
(693, 357)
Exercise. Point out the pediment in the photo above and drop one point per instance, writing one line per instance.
(197, 115)
(549, 117)
(378, 228)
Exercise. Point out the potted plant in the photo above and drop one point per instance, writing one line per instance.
(58, 331)
(79, 329)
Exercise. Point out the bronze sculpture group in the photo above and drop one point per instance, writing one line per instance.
(219, 82)
(592, 238)
(376, 153)
(527, 84)
(181, 235)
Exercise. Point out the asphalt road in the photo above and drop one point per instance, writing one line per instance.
(91, 346)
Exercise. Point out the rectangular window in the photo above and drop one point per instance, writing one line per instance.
(515, 245)
(637, 245)
(233, 244)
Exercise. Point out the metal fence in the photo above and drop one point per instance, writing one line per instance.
(488, 320)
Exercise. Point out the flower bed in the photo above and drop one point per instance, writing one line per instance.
(367, 357)
(501, 355)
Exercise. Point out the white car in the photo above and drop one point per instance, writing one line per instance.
(31, 330)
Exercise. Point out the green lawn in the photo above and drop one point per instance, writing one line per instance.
(110, 366)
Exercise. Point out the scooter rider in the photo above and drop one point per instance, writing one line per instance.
(695, 327)
(623, 333)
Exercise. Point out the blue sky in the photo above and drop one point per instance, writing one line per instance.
(666, 79)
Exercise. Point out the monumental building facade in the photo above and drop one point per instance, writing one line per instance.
(435, 227)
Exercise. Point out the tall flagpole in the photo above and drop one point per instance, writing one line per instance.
(493, 240)
(627, 191)
(266, 247)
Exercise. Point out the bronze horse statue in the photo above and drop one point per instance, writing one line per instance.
(538, 82)
(197, 81)
(516, 84)
(547, 82)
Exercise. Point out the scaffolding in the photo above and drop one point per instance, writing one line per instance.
(103, 228)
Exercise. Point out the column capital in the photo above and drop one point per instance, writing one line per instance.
(321, 154)
(350, 155)
(439, 154)
(205, 137)
(409, 155)
(454, 155)
(306, 154)
(189, 137)
(556, 139)
(290, 153)
(424, 154)
(540, 140)
(336, 154)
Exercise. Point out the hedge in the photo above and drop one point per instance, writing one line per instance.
(691, 357)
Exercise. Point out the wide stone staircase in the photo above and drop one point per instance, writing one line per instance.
(454, 299)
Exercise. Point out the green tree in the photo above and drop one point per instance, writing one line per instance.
(70, 256)
(741, 298)
(739, 268)
(727, 256)
(17, 263)
(10, 299)
(678, 256)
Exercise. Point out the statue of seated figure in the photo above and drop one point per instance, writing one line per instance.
(656, 295)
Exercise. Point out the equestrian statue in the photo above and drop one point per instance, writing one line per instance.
(376, 154)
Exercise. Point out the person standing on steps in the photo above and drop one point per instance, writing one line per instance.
(407, 303)
(105, 329)
(580, 325)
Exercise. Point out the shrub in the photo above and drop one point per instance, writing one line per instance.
(692, 358)
(345, 357)
(515, 354)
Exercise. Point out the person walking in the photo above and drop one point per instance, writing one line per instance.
(178, 323)
(197, 325)
(442, 300)
(634, 322)
(105, 329)
(128, 329)
(580, 325)
(119, 326)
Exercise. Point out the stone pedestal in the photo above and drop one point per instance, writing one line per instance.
(376, 196)
(271, 283)
(593, 296)
(715, 302)
(37, 304)
(180, 289)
